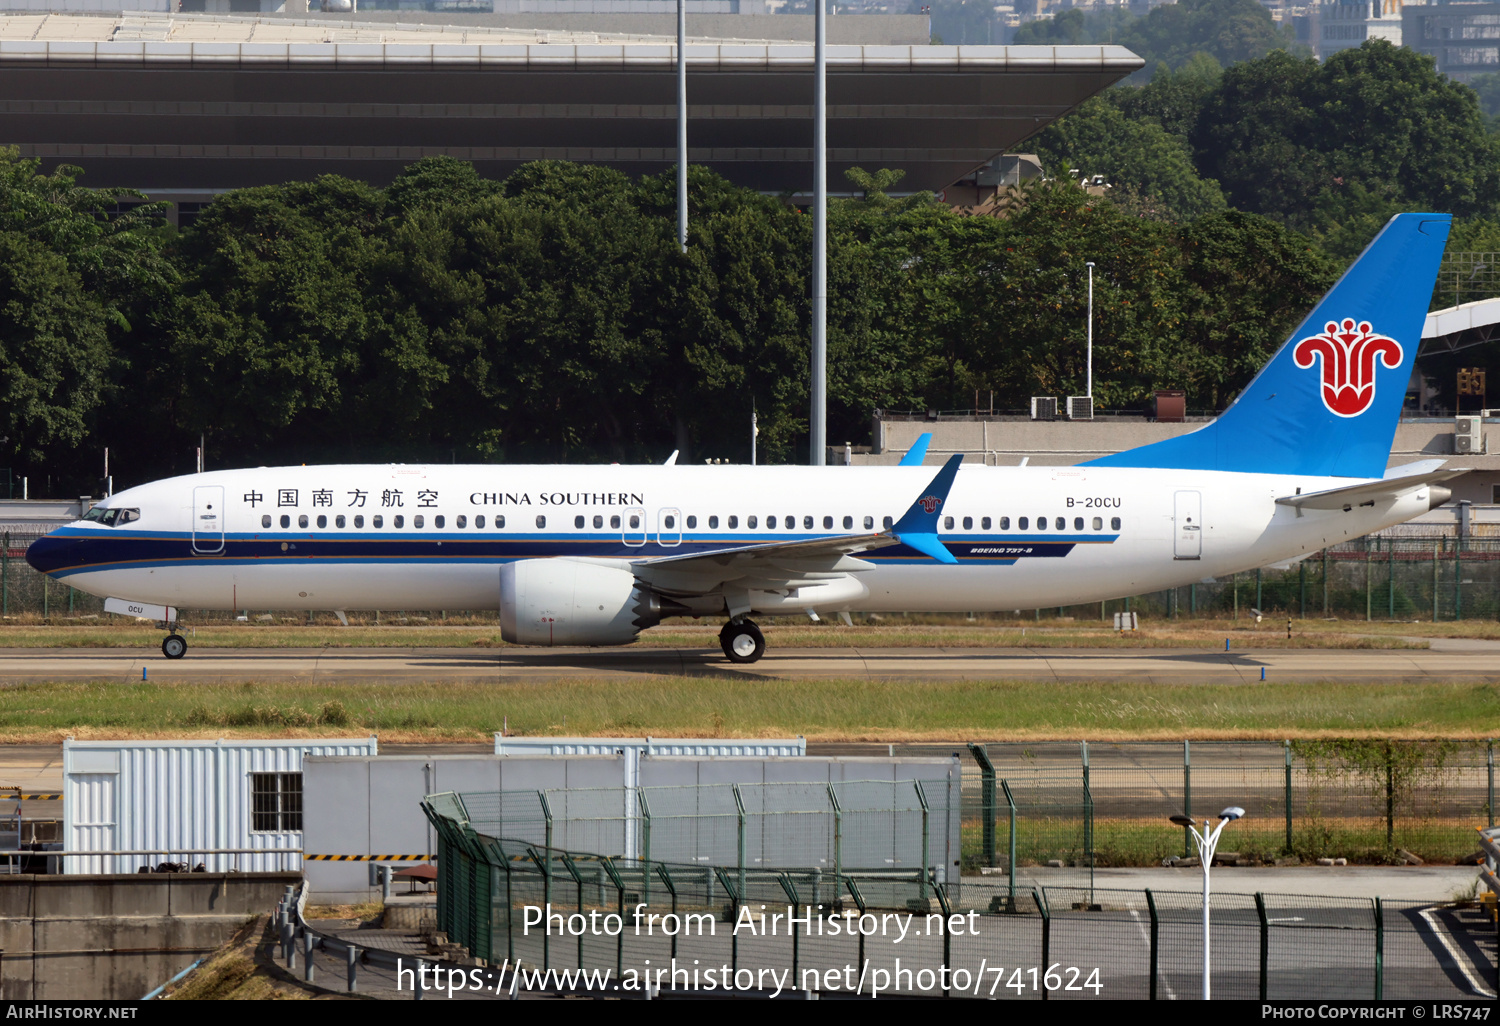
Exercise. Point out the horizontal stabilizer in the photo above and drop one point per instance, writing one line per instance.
(1368, 493)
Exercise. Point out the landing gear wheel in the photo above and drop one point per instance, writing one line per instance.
(174, 646)
(742, 642)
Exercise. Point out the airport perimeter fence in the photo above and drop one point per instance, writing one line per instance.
(1404, 578)
(1093, 804)
(894, 836)
(498, 898)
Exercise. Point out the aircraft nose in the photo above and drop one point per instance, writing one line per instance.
(48, 553)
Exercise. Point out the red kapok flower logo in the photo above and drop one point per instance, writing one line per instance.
(1349, 352)
(929, 503)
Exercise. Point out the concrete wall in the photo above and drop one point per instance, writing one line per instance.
(1061, 443)
(371, 806)
(119, 936)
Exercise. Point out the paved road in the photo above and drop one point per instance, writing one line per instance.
(1151, 665)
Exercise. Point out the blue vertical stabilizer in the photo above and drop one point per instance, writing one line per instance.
(1328, 402)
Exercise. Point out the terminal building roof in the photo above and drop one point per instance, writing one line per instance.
(193, 102)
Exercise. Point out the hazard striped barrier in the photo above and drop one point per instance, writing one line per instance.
(368, 858)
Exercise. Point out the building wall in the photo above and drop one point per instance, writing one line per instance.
(1464, 39)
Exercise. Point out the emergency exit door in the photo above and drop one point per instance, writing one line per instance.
(1187, 520)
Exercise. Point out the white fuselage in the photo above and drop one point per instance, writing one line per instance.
(287, 537)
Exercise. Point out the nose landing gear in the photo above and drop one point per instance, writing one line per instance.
(742, 641)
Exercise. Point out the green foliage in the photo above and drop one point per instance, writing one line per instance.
(1229, 31)
(1152, 168)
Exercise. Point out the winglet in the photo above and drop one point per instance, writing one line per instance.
(917, 529)
(918, 451)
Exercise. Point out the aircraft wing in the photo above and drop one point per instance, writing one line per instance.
(1367, 493)
(790, 563)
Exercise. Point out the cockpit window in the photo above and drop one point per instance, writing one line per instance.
(112, 517)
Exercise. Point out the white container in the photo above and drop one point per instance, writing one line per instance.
(173, 798)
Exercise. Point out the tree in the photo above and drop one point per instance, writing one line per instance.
(1136, 156)
(1229, 31)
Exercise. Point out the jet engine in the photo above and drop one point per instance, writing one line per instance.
(575, 602)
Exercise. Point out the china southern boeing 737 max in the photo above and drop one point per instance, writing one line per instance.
(592, 555)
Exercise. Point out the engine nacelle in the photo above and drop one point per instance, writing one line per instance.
(574, 602)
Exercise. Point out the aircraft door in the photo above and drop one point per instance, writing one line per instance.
(1187, 519)
(633, 527)
(208, 519)
(669, 527)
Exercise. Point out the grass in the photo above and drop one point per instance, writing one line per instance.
(903, 633)
(821, 710)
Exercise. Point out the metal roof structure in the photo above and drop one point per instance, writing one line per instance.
(179, 102)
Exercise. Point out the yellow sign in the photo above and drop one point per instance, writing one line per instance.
(1471, 381)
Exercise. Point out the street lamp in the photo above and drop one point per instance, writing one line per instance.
(1207, 843)
(1089, 389)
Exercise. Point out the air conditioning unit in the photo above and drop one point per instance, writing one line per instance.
(1080, 407)
(1044, 407)
(1468, 434)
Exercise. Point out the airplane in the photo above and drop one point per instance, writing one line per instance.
(593, 555)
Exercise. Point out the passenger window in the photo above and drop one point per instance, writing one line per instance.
(578, 522)
(848, 523)
(713, 523)
(398, 521)
(377, 521)
(438, 521)
(669, 521)
(1078, 523)
(692, 522)
(968, 523)
(750, 523)
(541, 521)
(733, 522)
(359, 520)
(322, 521)
(417, 521)
(478, 521)
(888, 522)
(869, 523)
(500, 523)
(828, 523)
(807, 523)
(598, 521)
(1114, 523)
(460, 521)
(286, 521)
(1061, 523)
(338, 521)
(947, 523)
(265, 520)
(302, 520)
(614, 521)
(1021, 523)
(635, 522)
(770, 522)
(1098, 523)
(984, 524)
(1005, 523)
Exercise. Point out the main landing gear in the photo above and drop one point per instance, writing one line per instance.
(174, 645)
(742, 641)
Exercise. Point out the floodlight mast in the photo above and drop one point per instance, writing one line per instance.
(818, 436)
(1207, 843)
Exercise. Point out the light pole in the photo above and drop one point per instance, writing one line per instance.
(818, 433)
(682, 213)
(1207, 843)
(1089, 391)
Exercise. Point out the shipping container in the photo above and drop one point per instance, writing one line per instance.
(174, 798)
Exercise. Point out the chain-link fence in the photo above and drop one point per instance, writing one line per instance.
(518, 903)
(1107, 804)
